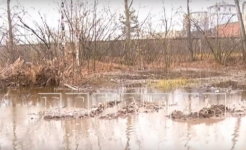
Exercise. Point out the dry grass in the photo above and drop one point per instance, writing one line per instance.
(101, 67)
(77, 74)
(167, 85)
(73, 74)
(208, 63)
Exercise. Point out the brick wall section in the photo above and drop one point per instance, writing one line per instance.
(229, 30)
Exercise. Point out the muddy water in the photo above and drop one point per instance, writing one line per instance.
(21, 129)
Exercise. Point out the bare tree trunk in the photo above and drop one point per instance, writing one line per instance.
(243, 36)
(128, 24)
(77, 52)
(95, 35)
(127, 32)
(11, 37)
(62, 48)
(189, 32)
(76, 40)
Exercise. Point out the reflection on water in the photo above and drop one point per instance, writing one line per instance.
(21, 129)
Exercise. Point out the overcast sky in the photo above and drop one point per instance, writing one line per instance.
(50, 8)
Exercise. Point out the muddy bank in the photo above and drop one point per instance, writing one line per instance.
(202, 78)
(232, 84)
(140, 78)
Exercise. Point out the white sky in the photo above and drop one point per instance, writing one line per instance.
(50, 8)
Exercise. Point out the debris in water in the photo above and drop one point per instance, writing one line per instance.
(216, 111)
(97, 110)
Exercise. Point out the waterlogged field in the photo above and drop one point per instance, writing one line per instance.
(23, 127)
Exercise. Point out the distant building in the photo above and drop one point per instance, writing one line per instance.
(222, 13)
(219, 20)
(228, 30)
(244, 13)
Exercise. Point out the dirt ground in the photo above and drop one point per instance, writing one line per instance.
(216, 77)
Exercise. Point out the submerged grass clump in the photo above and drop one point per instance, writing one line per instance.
(171, 84)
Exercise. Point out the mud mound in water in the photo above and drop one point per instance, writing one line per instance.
(215, 111)
(98, 111)
(226, 84)
(134, 109)
(78, 112)
(21, 74)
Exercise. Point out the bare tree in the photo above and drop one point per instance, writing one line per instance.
(10, 32)
(165, 38)
(129, 20)
(45, 36)
(221, 48)
(189, 32)
(243, 35)
(87, 29)
(130, 25)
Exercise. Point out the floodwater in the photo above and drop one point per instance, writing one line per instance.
(20, 129)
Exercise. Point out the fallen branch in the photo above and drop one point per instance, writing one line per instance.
(71, 87)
